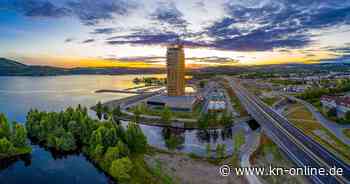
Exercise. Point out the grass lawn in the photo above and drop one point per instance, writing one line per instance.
(304, 120)
(271, 101)
(347, 132)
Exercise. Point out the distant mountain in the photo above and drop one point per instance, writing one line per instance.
(13, 68)
(10, 63)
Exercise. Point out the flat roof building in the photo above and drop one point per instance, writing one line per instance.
(176, 103)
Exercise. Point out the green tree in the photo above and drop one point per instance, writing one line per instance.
(223, 152)
(121, 168)
(123, 149)
(6, 147)
(135, 139)
(67, 142)
(347, 116)
(112, 153)
(52, 141)
(106, 112)
(166, 115)
(202, 84)
(5, 130)
(220, 150)
(117, 111)
(19, 137)
(174, 141)
(99, 110)
(226, 119)
(203, 121)
(96, 138)
(238, 140)
(137, 114)
(111, 137)
(208, 150)
(332, 112)
(120, 132)
(75, 128)
(96, 152)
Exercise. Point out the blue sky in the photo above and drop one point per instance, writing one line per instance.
(88, 32)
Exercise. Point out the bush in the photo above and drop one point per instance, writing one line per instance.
(166, 115)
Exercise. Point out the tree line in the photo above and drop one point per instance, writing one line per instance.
(212, 118)
(150, 81)
(315, 93)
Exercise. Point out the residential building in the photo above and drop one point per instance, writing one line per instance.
(340, 103)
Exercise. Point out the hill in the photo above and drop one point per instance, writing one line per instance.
(10, 63)
(13, 68)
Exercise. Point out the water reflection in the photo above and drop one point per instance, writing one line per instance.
(191, 141)
(8, 162)
(206, 136)
(174, 138)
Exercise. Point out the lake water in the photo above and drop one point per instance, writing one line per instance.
(19, 94)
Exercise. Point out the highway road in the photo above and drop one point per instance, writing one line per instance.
(299, 147)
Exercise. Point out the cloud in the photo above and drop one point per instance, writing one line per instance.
(104, 31)
(200, 4)
(144, 39)
(275, 24)
(342, 50)
(92, 12)
(169, 16)
(252, 25)
(157, 60)
(154, 37)
(88, 41)
(36, 8)
(68, 40)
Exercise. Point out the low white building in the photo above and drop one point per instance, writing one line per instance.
(216, 105)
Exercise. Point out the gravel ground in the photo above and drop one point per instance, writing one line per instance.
(192, 171)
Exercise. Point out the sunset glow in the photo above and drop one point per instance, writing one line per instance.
(88, 35)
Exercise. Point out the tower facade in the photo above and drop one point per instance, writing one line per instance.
(176, 70)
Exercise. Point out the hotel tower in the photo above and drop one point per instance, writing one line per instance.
(176, 70)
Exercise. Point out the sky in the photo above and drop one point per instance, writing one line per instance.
(135, 33)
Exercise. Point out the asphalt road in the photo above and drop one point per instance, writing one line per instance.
(304, 151)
